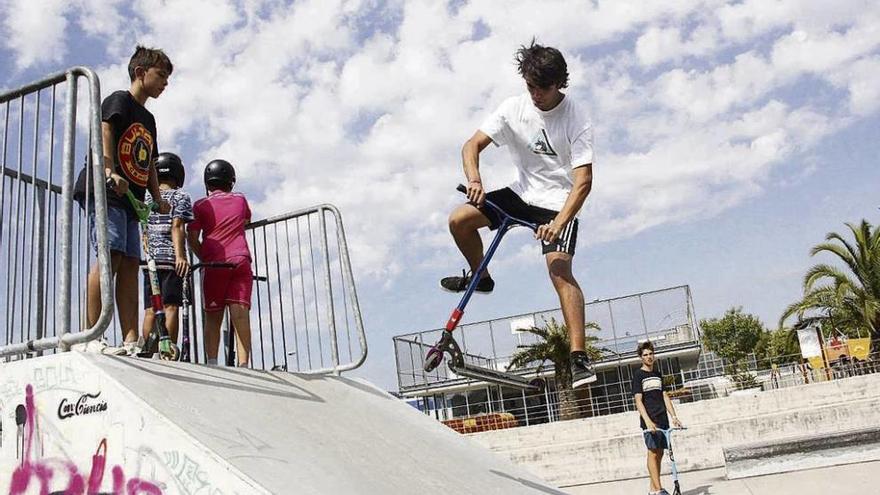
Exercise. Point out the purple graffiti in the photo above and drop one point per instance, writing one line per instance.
(41, 471)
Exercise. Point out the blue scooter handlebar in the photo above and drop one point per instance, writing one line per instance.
(462, 189)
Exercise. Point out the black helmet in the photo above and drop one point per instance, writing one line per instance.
(168, 165)
(219, 173)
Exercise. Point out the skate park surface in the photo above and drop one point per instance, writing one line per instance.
(105, 422)
(851, 479)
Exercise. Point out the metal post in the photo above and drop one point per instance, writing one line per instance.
(334, 350)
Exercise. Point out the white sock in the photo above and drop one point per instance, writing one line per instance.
(212, 361)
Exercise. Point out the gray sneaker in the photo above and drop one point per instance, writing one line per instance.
(582, 371)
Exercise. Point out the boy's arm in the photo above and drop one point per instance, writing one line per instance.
(583, 183)
(194, 244)
(181, 265)
(470, 160)
(109, 139)
(644, 413)
(671, 409)
(153, 187)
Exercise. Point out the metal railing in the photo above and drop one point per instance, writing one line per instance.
(664, 316)
(43, 238)
(305, 315)
(612, 393)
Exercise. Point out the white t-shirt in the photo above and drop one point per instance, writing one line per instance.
(544, 146)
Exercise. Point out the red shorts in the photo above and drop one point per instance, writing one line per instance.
(222, 286)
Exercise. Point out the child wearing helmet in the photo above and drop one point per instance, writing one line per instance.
(165, 233)
(216, 235)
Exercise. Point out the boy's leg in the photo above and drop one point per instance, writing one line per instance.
(126, 297)
(147, 327)
(655, 456)
(171, 321)
(464, 223)
(93, 288)
(213, 319)
(241, 322)
(571, 298)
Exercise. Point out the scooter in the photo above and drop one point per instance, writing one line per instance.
(447, 343)
(668, 434)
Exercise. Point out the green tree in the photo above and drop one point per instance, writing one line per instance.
(555, 346)
(844, 299)
(778, 347)
(733, 337)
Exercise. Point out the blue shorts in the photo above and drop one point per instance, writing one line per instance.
(654, 439)
(123, 232)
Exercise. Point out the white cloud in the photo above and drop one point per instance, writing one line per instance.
(320, 101)
(34, 30)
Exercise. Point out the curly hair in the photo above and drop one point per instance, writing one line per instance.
(644, 345)
(543, 66)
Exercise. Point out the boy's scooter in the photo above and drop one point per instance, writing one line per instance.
(448, 344)
(168, 350)
(668, 433)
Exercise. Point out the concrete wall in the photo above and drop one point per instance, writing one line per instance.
(611, 447)
(107, 424)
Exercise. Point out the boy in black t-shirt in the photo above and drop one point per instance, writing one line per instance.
(130, 150)
(653, 402)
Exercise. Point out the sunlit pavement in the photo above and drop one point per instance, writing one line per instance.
(859, 478)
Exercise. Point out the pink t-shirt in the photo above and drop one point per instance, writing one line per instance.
(221, 218)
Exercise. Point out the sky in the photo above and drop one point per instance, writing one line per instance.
(730, 137)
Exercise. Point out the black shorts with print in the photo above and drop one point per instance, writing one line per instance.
(514, 206)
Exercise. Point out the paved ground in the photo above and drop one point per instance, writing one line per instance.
(861, 479)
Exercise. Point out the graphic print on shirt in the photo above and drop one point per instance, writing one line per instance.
(540, 144)
(135, 153)
(651, 383)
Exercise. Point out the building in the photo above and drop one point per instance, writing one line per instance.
(665, 317)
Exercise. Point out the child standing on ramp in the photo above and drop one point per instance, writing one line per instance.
(216, 235)
(167, 238)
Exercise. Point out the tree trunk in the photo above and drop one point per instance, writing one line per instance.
(568, 408)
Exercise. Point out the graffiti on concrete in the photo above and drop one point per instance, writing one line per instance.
(190, 476)
(41, 472)
(85, 404)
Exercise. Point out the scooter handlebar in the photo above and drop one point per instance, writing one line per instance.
(534, 227)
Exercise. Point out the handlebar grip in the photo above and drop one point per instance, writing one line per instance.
(461, 189)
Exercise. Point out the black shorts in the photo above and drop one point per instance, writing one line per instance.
(171, 286)
(655, 439)
(514, 206)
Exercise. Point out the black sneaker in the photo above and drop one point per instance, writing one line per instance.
(581, 371)
(460, 284)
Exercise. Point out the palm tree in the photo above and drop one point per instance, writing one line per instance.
(845, 300)
(555, 346)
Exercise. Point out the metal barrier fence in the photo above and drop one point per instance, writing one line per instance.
(664, 316)
(548, 406)
(44, 250)
(305, 315)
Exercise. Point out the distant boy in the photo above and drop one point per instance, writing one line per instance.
(167, 238)
(653, 402)
(220, 220)
(129, 135)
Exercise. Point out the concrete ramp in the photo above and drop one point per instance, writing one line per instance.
(86, 423)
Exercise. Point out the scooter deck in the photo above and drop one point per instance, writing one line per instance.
(485, 374)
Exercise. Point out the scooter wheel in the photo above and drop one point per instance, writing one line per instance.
(433, 359)
(172, 354)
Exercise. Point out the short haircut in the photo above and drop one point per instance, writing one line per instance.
(148, 58)
(216, 186)
(542, 66)
(645, 345)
